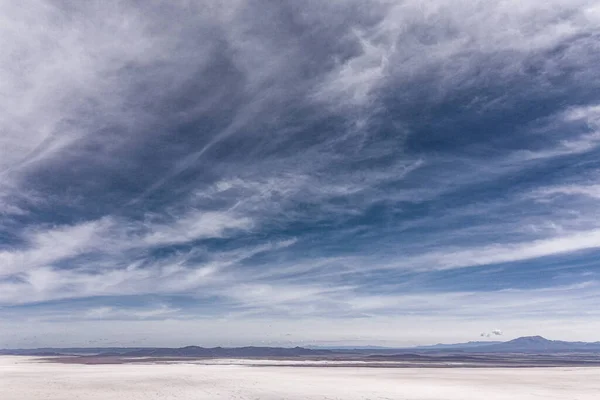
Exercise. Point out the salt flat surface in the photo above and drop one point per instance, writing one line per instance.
(23, 378)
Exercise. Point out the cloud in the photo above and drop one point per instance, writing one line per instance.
(50, 246)
(194, 226)
(46, 247)
(260, 160)
(128, 271)
(495, 254)
(111, 313)
(522, 313)
(453, 41)
(495, 332)
(592, 191)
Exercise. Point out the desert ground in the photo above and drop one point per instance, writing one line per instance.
(27, 378)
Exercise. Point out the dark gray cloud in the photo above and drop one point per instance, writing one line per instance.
(495, 332)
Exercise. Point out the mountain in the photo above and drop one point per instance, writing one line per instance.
(468, 345)
(382, 349)
(539, 344)
(527, 344)
(189, 351)
(45, 351)
(219, 352)
(335, 348)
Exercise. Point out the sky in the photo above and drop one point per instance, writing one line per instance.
(256, 172)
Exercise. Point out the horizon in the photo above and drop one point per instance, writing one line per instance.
(310, 345)
(385, 172)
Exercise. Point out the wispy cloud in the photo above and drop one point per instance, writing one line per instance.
(111, 313)
(259, 160)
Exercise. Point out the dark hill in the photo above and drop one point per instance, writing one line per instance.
(217, 352)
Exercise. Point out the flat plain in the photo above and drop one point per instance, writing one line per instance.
(28, 378)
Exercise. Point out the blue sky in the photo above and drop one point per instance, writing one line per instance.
(291, 173)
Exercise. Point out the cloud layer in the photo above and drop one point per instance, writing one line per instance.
(420, 164)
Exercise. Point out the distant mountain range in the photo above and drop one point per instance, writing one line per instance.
(468, 345)
(532, 344)
(188, 351)
(224, 352)
(338, 348)
(528, 344)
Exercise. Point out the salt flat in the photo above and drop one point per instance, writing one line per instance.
(24, 378)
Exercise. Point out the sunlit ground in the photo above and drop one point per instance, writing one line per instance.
(24, 378)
